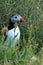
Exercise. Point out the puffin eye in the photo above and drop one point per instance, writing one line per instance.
(15, 16)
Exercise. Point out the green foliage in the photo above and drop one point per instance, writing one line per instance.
(32, 10)
(30, 49)
(20, 55)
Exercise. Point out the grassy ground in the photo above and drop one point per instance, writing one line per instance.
(23, 54)
(30, 48)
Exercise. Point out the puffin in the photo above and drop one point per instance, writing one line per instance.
(13, 33)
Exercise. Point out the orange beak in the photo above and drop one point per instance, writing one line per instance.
(23, 20)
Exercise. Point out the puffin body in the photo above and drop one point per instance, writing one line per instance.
(13, 35)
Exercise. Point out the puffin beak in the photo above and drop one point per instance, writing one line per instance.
(23, 20)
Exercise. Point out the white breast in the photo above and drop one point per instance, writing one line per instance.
(14, 35)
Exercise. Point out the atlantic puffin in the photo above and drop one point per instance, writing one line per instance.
(13, 34)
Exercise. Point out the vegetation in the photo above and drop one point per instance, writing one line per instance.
(29, 50)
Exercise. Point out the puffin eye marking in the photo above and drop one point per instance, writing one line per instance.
(15, 16)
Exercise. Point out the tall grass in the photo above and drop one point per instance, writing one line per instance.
(24, 53)
(29, 50)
